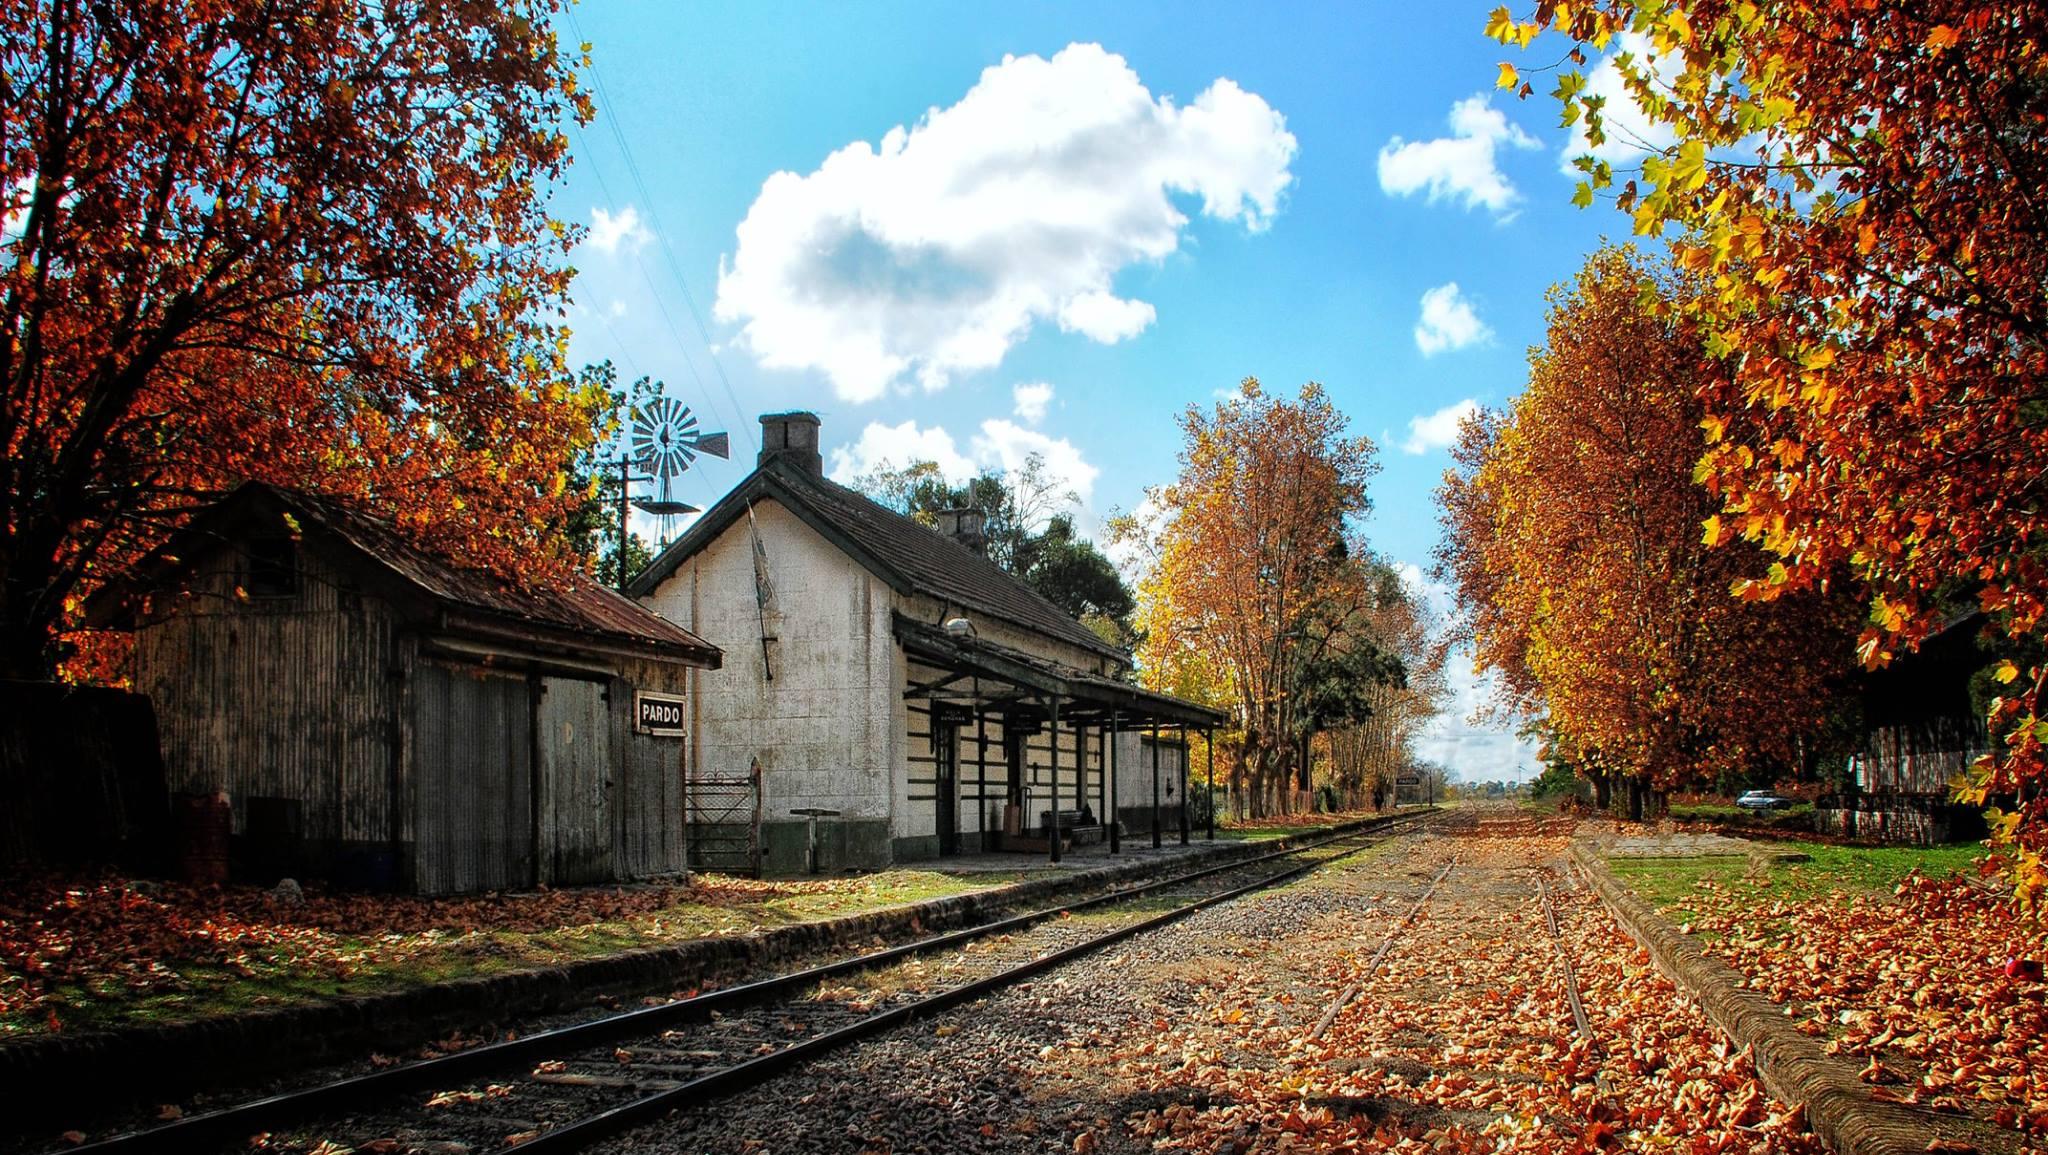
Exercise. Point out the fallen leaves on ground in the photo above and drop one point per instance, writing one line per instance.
(1462, 1040)
(1914, 984)
(67, 942)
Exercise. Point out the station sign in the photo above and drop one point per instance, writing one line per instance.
(1408, 780)
(658, 714)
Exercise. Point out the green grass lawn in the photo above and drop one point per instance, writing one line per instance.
(1835, 872)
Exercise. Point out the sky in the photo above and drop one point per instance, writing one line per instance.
(970, 233)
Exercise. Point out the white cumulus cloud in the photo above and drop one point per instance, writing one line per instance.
(1448, 322)
(1031, 400)
(1630, 133)
(1463, 166)
(610, 233)
(1437, 430)
(897, 446)
(1465, 737)
(998, 445)
(934, 251)
(1009, 446)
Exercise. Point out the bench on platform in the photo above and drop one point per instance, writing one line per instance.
(1079, 827)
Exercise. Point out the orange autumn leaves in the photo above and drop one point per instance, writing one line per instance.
(1573, 539)
(1254, 552)
(1910, 987)
(308, 246)
(1857, 186)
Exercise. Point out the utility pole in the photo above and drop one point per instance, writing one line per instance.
(625, 511)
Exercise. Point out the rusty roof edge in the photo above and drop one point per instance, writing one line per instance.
(490, 625)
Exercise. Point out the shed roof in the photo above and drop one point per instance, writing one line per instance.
(574, 608)
(911, 557)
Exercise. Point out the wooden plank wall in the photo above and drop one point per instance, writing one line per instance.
(647, 798)
(474, 744)
(288, 697)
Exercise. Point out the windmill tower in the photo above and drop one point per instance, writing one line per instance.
(662, 442)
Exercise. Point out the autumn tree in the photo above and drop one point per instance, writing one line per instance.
(1375, 743)
(303, 242)
(1573, 535)
(1251, 545)
(1860, 183)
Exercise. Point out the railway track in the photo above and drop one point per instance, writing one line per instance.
(564, 1089)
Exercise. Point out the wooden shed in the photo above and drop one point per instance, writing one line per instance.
(381, 716)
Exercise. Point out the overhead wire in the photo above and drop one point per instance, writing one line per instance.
(661, 236)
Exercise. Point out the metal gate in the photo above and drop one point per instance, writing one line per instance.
(725, 822)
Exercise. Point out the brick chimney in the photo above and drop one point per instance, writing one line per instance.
(792, 437)
(967, 526)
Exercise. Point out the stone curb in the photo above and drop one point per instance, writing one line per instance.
(51, 1074)
(1792, 1065)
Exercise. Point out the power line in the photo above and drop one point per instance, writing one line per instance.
(740, 428)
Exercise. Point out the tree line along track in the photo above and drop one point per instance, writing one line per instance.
(563, 1089)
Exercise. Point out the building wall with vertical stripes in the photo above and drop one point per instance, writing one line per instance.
(288, 697)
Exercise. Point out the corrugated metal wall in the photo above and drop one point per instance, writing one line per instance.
(289, 697)
(473, 741)
(1921, 757)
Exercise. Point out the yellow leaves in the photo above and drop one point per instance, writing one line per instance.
(1887, 615)
(1713, 534)
(1942, 38)
(1500, 25)
(1715, 427)
(1508, 78)
(1689, 168)
(2006, 673)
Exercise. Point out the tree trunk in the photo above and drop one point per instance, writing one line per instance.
(1603, 792)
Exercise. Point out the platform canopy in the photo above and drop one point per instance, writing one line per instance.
(982, 676)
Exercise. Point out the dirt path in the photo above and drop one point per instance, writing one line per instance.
(1205, 1037)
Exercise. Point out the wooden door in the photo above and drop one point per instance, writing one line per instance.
(573, 758)
(473, 780)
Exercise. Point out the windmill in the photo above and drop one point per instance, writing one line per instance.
(662, 442)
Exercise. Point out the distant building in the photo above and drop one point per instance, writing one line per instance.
(1921, 733)
(894, 675)
(381, 716)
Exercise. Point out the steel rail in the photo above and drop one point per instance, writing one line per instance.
(1580, 1021)
(583, 1132)
(267, 1113)
(1345, 996)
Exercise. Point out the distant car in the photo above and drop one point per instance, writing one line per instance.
(1762, 800)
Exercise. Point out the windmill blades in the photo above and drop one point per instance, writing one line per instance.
(665, 439)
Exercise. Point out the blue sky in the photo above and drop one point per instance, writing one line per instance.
(1144, 204)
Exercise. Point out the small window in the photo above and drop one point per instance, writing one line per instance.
(273, 568)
